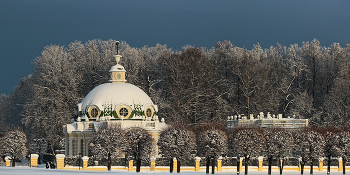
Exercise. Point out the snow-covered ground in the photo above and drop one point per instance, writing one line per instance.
(39, 171)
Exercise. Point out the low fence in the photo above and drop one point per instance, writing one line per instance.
(162, 164)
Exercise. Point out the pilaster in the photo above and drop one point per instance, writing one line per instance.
(260, 159)
(198, 161)
(60, 161)
(34, 160)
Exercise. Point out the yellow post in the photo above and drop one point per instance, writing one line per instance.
(153, 164)
(197, 166)
(174, 164)
(34, 160)
(340, 164)
(219, 166)
(260, 159)
(8, 161)
(240, 163)
(60, 161)
(85, 162)
(320, 164)
(131, 165)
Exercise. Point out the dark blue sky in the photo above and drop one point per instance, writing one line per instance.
(26, 27)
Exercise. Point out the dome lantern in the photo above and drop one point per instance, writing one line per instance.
(117, 71)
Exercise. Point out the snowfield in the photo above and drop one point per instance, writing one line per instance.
(38, 171)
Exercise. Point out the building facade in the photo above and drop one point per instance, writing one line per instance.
(268, 121)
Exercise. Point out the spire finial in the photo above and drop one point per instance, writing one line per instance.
(117, 44)
(117, 57)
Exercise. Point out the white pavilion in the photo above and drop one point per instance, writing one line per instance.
(113, 102)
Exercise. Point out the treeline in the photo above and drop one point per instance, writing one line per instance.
(213, 141)
(194, 85)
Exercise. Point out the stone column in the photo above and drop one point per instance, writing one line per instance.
(79, 146)
(198, 163)
(34, 160)
(70, 147)
(320, 164)
(174, 164)
(340, 164)
(131, 165)
(60, 161)
(260, 159)
(219, 161)
(8, 161)
(153, 164)
(85, 162)
(66, 146)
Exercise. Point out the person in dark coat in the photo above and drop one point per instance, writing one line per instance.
(47, 165)
(52, 166)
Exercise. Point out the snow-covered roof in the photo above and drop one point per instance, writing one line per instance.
(116, 94)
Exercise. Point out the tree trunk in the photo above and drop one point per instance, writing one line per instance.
(138, 165)
(213, 165)
(329, 165)
(312, 166)
(270, 164)
(109, 162)
(246, 165)
(178, 165)
(171, 165)
(302, 167)
(344, 163)
(238, 162)
(207, 165)
(13, 161)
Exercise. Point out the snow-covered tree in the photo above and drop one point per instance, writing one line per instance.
(4, 103)
(328, 133)
(54, 95)
(337, 104)
(309, 146)
(190, 80)
(211, 142)
(177, 141)
(247, 143)
(108, 142)
(279, 144)
(14, 144)
(140, 144)
(340, 146)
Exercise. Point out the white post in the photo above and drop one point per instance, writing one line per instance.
(85, 162)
